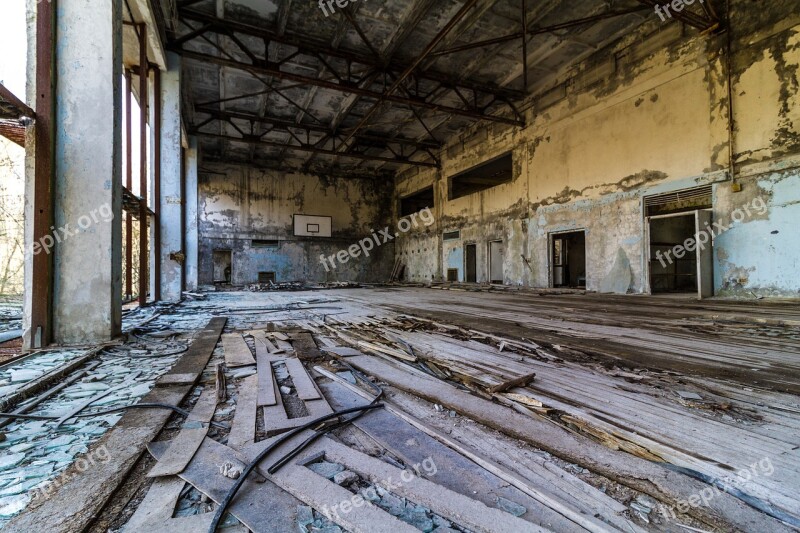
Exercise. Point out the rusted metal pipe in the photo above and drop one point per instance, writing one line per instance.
(143, 256)
(44, 174)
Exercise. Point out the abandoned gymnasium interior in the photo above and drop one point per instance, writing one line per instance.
(452, 266)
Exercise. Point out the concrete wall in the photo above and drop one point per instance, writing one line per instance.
(237, 204)
(648, 115)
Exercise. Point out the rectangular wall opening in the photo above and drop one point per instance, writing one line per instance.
(496, 262)
(416, 202)
(452, 275)
(266, 277)
(677, 264)
(261, 243)
(223, 266)
(568, 252)
(484, 176)
(471, 263)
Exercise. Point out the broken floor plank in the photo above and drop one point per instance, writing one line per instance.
(276, 419)
(511, 383)
(572, 511)
(343, 351)
(243, 430)
(264, 346)
(461, 509)
(194, 361)
(454, 470)
(75, 504)
(183, 447)
(266, 381)
(262, 507)
(154, 513)
(305, 347)
(644, 476)
(303, 383)
(237, 352)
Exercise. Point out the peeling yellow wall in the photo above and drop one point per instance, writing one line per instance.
(659, 123)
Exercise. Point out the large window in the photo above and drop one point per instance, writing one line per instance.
(416, 202)
(482, 177)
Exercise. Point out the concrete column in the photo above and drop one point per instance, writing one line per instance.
(192, 244)
(88, 166)
(152, 253)
(170, 201)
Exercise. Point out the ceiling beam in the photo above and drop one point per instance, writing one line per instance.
(276, 72)
(457, 19)
(284, 124)
(540, 30)
(306, 45)
(254, 139)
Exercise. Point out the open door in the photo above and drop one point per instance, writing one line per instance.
(569, 259)
(705, 257)
(471, 263)
(674, 268)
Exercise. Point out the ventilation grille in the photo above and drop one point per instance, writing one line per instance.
(698, 195)
(451, 235)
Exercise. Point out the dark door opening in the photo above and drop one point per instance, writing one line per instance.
(471, 263)
(223, 266)
(569, 260)
(674, 266)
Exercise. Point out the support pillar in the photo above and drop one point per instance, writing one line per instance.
(170, 201)
(87, 209)
(191, 215)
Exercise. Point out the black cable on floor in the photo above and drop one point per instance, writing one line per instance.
(225, 503)
(280, 463)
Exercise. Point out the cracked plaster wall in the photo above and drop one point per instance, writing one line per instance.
(238, 204)
(652, 119)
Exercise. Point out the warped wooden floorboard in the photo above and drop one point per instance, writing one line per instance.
(679, 434)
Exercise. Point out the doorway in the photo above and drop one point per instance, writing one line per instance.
(223, 266)
(496, 262)
(568, 252)
(471, 263)
(674, 267)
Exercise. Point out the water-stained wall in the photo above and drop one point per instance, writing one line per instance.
(239, 204)
(647, 116)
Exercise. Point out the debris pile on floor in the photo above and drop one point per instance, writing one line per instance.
(300, 286)
(373, 420)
